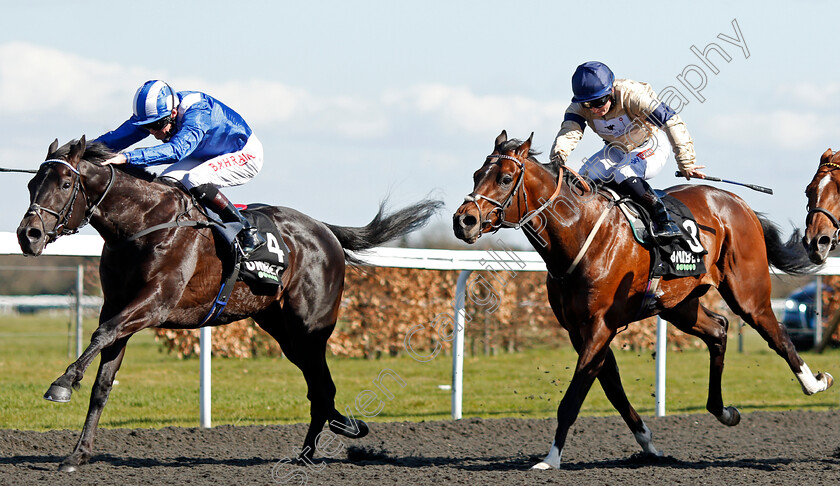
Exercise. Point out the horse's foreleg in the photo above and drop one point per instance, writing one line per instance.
(112, 357)
(610, 380)
(595, 339)
(61, 389)
(146, 312)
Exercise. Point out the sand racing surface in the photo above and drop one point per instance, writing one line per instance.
(796, 447)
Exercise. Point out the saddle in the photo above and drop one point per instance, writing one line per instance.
(680, 257)
(262, 270)
(265, 266)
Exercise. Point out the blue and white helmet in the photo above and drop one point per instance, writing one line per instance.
(153, 101)
(591, 81)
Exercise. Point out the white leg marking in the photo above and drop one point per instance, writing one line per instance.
(552, 460)
(645, 439)
(810, 384)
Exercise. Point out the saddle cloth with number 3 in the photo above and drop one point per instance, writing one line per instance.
(679, 257)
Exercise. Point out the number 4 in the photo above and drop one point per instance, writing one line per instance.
(273, 246)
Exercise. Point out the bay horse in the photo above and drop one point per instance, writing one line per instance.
(596, 292)
(821, 224)
(169, 278)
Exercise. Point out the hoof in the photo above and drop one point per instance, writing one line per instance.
(352, 428)
(730, 416)
(829, 380)
(541, 466)
(68, 468)
(59, 394)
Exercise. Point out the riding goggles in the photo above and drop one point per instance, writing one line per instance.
(158, 124)
(598, 102)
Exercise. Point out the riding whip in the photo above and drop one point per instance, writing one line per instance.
(754, 187)
(30, 171)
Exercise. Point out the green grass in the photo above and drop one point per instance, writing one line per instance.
(157, 390)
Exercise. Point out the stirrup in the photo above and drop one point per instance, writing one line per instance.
(250, 240)
(667, 229)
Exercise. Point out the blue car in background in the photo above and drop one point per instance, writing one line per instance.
(799, 316)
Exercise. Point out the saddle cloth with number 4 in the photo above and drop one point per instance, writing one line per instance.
(266, 264)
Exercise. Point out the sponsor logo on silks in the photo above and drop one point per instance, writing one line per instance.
(231, 160)
(645, 153)
(684, 260)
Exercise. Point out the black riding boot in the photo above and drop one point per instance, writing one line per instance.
(210, 196)
(642, 193)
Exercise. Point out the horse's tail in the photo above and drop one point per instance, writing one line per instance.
(790, 257)
(385, 227)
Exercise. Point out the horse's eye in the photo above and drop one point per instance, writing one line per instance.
(66, 185)
(506, 179)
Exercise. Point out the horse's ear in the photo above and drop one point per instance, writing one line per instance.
(53, 147)
(77, 150)
(502, 138)
(826, 156)
(525, 148)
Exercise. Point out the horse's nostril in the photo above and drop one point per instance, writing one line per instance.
(823, 241)
(33, 234)
(468, 221)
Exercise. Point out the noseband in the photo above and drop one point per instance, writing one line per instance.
(62, 216)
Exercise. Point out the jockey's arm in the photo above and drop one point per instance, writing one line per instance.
(192, 129)
(123, 136)
(571, 132)
(669, 121)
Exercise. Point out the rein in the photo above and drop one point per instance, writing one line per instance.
(503, 206)
(60, 228)
(63, 215)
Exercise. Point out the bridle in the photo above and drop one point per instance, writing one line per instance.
(62, 216)
(501, 207)
(834, 221)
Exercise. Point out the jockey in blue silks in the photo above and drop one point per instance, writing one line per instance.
(207, 144)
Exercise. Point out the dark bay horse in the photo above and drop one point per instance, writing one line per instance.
(822, 226)
(596, 292)
(170, 278)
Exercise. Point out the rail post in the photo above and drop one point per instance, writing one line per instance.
(458, 344)
(661, 348)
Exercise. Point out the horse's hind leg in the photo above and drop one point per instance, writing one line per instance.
(692, 318)
(307, 350)
(110, 361)
(749, 297)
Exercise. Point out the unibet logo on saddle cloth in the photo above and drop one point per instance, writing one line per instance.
(681, 257)
(267, 263)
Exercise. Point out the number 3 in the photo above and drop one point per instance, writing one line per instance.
(693, 242)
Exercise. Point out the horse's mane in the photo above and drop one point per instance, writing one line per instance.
(515, 143)
(97, 152)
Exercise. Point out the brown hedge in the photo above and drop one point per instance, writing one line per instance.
(381, 306)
